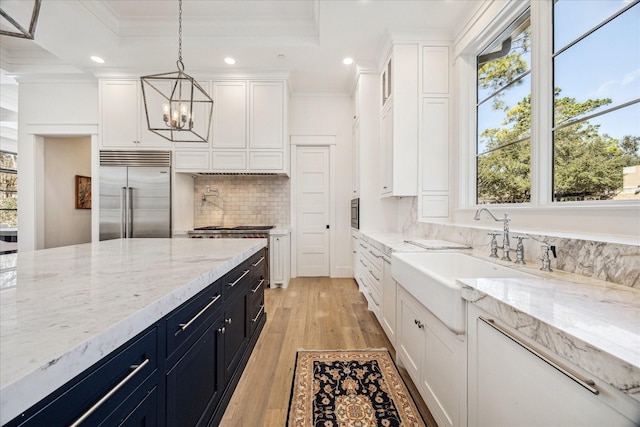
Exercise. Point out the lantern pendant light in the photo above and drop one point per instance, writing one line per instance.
(176, 106)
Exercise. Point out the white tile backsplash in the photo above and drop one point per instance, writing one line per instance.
(242, 200)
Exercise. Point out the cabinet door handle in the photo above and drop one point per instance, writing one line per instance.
(136, 369)
(419, 323)
(361, 245)
(222, 330)
(253, 291)
(587, 383)
(255, 319)
(377, 256)
(231, 285)
(362, 262)
(184, 326)
(258, 262)
(228, 321)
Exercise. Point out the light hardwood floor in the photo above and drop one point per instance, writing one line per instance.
(312, 313)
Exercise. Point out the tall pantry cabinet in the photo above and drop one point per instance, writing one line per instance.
(435, 92)
(399, 121)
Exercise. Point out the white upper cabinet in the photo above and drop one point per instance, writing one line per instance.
(123, 119)
(435, 70)
(229, 115)
(249, 128)
(433, 198)
(266, 115)
(399, 84)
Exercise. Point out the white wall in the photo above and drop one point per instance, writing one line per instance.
(53, 109)
(330, 114)
(64, 158)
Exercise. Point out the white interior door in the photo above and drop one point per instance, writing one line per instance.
(312, 211)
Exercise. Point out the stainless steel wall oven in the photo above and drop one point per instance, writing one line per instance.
(355, 213)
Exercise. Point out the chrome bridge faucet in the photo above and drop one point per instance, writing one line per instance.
(505, 235)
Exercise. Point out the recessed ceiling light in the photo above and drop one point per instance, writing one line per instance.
(281, 56)
(97, 59)
(347, 61)
(229, 60)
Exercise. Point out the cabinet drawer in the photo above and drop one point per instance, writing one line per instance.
(375, 278)
(255, 315)
(258, 263)
(191, 160)
(236, 281)
(229, 160)
(266, 160)
(256, 290)
(103, 393)
(189, 321)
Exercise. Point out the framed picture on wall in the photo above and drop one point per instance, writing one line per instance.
(83, 192)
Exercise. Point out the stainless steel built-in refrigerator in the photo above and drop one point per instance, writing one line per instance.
(135, 194)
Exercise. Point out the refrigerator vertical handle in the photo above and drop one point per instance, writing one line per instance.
(123, 212)
(130, 215)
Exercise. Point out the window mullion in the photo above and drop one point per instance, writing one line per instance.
(541, 102)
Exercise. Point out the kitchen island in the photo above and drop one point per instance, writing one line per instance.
(72, 306)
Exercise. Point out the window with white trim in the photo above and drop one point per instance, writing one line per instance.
(596, 107)
(592, 114)
(503, 150)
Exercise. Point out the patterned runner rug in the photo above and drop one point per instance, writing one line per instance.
(355, 388)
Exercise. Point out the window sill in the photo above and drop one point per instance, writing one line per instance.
(615, 222)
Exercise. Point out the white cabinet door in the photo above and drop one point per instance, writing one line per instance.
(389, 301)
(386, 153)
(229, 115)
(434, 159)
(435, 358)
(119, 107)
(411, 337)
(266, 115)
(279, 260)
(510, 386)
(435, 70)
(124, 120)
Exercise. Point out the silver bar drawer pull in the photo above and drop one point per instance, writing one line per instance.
(258, 262)
(253, 291)
(231, 285)
(587, 383)
(184, 326)
(136, 369)
(255, 319)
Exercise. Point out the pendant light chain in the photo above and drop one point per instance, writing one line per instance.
(180, 64)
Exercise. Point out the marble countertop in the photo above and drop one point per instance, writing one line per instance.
(73, 305)
(594, 325)
(589, 322)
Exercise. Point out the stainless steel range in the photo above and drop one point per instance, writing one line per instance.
(237, 232)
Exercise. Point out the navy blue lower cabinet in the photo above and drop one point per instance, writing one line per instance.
(181, 371)
(195, 383)
(145, 414)
(112, 389)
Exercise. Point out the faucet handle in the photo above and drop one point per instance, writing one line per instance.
(494, 244)
(520, 238)
(546, 261)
